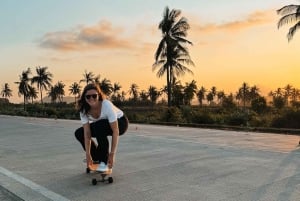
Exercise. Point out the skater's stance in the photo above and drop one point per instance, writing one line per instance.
(100, 119)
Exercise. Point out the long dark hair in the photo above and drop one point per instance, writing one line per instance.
(82, 105)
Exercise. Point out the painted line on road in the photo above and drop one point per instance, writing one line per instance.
(35, 187)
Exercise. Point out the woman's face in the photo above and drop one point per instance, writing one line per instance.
(91, 97)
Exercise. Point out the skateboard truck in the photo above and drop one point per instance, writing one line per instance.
(103, 177)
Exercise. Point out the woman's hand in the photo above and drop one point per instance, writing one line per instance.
(89, 161)
(111, 160)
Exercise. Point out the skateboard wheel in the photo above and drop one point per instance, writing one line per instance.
(94, 182)
(110, 180)
(87, 170)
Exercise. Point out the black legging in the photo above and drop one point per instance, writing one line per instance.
(100, 130)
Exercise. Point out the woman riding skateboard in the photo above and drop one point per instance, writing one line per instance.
(100, 118)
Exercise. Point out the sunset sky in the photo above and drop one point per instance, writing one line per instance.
(234, 41)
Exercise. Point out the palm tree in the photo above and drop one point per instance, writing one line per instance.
(153, 94)
(287, 93)
(189, 90)
(243, 93)
(106, 87)
(6, 91)
(32, 93)
(172, 54)
(221, 95)
(52, 94)
(23, 88)
(59, 90)
(75, 90)
(134, 91)
(88, 77)
(201, 95)
(43, 79)
(291, 14)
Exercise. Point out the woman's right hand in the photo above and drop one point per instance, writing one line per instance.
(89, 161)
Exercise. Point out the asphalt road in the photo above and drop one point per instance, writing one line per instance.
(41, 160)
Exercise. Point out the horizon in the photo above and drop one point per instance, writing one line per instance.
(233, 43)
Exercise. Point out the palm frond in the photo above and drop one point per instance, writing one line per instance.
(292, 31)
(287, 9)
(288, 19)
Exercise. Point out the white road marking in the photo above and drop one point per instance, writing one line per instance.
(35, 187)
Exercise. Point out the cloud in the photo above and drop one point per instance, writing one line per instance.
(253, 19)
(101, 36)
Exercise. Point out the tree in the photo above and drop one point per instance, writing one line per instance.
(291, 14)
(32, 93)
(6, 91)
(287, 93)
(172, 53)
(106, 87)
(153, 94)
(75, 90)
(88, 77)
(134, 91)
(201, 95)
(243, 93)
(59, 90)
(43, 79)
(189, 90)
(23, 88)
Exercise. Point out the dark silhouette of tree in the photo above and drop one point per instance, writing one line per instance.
(75, 90)
(32, 93)
(290, 15)
(201, 95)
(6, 91)
(172, 53)
(133, 91)
(88, 77)
(189, 91)
(23, 88)
(43, 79)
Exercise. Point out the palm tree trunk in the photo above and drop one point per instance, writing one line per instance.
(169, 87)
(41, 95)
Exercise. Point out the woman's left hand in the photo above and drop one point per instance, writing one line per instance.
(111, 160)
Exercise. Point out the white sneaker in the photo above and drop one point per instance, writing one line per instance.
(102, 167)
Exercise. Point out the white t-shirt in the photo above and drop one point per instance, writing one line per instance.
(108, 111)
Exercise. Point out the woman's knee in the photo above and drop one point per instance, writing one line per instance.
(79, 135)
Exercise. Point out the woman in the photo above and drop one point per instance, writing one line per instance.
(100, 118)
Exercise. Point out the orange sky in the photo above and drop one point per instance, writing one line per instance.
(244, 48)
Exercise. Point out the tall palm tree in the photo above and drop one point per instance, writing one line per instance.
(291, 14)
(75, 90)
(6, 91)
(23, 88)
(172, 54)
(88, 77)
(43, 79)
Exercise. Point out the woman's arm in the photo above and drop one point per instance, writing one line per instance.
(114, 144)
(87, 144)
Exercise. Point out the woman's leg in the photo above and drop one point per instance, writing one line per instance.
(101, 129)
(79, 134)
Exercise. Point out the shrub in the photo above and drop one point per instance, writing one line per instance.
(290, 119)
(259, 105)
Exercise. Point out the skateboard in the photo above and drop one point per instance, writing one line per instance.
(103, 176)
